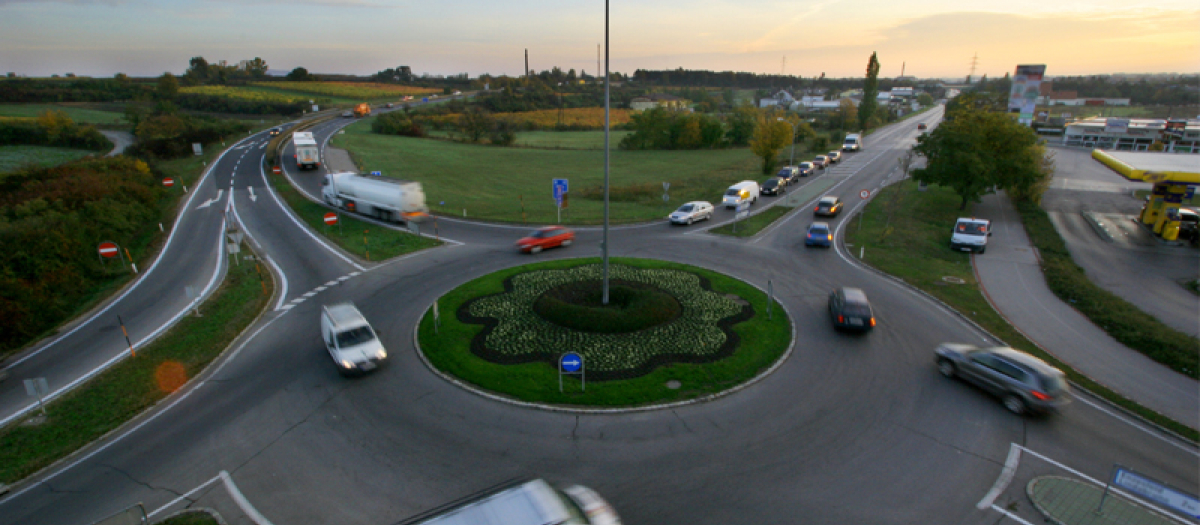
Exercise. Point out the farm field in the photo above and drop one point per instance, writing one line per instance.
(348, 90)
(556, 139)
(77, 114)
(13, 157)
(245, 93)
(491, 182)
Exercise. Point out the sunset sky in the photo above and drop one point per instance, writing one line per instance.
(932, 39)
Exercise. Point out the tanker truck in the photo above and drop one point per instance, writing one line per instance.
(308, 155)
(385, 199)
(362, 110)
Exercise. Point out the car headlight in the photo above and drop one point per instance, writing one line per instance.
(347, 364)
(381, 354)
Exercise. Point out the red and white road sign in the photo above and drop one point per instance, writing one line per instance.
(331, 218)
(108, 249)
(276, 170)
(864, 194)
(168, 182)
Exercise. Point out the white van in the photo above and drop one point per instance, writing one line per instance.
(524, 503)
(971, 234)
(853, 142)
(745, 191)
(350, 340)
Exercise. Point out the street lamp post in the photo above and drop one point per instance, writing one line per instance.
(793, 162)
(604, 242)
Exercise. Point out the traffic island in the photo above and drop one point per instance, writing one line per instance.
(542, 334)
(1064, 501)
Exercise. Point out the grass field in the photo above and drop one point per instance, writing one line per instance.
(137, 383)
(13, 157)
(78, 114)
(569, 140)
(491, 182)
(906, 233)
(763, 341)
(750, 226)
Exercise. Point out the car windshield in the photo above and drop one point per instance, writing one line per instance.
(686, 208)
(972, 228)
(860, 310)
(818, 230)
(771, 182)
(537, 234)
(828, 202)
(355, 337)
(732, 191)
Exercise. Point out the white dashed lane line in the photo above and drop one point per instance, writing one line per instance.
(313, 293)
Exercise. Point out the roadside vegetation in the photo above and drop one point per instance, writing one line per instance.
(905, 233)
(762, 342)
(15, 157)
(750, 226)
(76, 112)
(139, 382)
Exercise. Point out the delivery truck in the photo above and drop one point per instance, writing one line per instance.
(523, 503)
(375, 196)
(308, 155)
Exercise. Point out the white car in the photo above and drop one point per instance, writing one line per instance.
(692, 212)
(350, 340)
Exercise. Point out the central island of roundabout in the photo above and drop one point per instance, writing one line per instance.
(671, 333)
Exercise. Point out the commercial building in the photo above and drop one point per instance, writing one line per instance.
(1124, 134)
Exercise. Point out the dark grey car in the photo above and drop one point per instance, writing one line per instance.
(1022, 382)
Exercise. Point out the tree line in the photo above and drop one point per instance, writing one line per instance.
(53, 128)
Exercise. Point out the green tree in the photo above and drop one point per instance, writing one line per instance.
(256, 68)
(475, 123)
(925, 99)
(167, 88)
(741, 125)
(846, 115)
(197, 72)
(1032, 187)
(300, 75)
(55, 123)
(976, 152)
(770, 136)
(866, 109)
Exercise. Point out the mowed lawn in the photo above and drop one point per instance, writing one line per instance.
(489, 181)
(80, 115)
(13, 157)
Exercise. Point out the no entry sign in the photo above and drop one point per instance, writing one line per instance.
(168, 182)
(331, 218)
(108, 249)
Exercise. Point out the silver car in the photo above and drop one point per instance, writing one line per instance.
(692, 212)
(1023, 382)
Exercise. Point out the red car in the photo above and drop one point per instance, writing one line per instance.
(547, 237)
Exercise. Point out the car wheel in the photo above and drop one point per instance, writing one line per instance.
(1014, 404)
(689, 221)
(982, 249)
(535, 249)
(567, 242)
(946, 367)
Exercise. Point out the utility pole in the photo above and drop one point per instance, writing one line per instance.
(974, 63)
(527, 63)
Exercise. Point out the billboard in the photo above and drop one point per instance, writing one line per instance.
(1116, 125)
(1026, 84)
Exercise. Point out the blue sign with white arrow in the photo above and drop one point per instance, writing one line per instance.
(571, 362)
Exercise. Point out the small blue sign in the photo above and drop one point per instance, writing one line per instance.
(560, 187)
(377, 173)
(1191, 192)
(571, 362)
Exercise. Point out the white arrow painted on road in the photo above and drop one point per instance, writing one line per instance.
(210, 202)
(253, 198)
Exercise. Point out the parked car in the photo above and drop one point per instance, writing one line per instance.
(1023, 382)
(745, 191)
(691, 212)
(835, 156)
(807, 168)
(849, 309)
(821, 161)
(971, 234)
(773, 186)
(828, 206)
(791, 174)
(547, 237)
(819, 234)
(350, 340)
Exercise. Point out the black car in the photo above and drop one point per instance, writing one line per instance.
(791, 174)
(849, 309)
(773, 186)
(828, 206)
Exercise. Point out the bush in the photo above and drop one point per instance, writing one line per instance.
(398, 123)
(171, 136)
(632, 307)
(53, 128)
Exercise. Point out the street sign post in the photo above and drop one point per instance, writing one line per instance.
(168, 182)
(559, 187)
(1152, 490)
(109, 250)
(864, 194)
(571, 363)
(38, 388)
(331, 218)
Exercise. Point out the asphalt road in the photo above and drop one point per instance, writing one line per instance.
(847, 430)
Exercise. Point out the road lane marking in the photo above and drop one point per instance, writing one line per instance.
(288, 212)
(187, 495)
(242, 502)
(1006, 475)
(1012, 516)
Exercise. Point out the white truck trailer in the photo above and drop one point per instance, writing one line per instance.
(308, 155)
(530, 503)
(379, 197)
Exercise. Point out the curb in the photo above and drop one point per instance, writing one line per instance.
(1095, 223)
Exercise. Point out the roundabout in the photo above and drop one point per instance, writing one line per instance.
(696, 330)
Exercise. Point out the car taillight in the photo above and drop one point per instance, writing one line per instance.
(841, 318)
(1039, 395)
(872, 321)
(818, 208)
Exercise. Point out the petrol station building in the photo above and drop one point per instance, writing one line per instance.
(1174, 176)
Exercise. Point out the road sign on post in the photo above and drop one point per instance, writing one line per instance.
(571, 363)
(168, 182)
(38, 388)
(331, 218)
(559, 187)
(109, 250)
(864, 194)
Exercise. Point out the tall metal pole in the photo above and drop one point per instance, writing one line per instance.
(604, 243)
(793, 163)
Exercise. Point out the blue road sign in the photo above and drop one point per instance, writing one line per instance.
(560, 187)
(377, 173)
(571, 362)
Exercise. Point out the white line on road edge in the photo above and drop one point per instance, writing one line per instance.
(142, 342)
(183, 497)
(288, 211)
(242, 502)
(1135, 425)
(1010, 515)
(278, 270)
(1006, 475)
(166, 246)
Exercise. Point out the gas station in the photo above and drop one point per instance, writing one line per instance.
(1175, 177)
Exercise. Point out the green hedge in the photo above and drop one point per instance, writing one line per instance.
(1122, 320)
